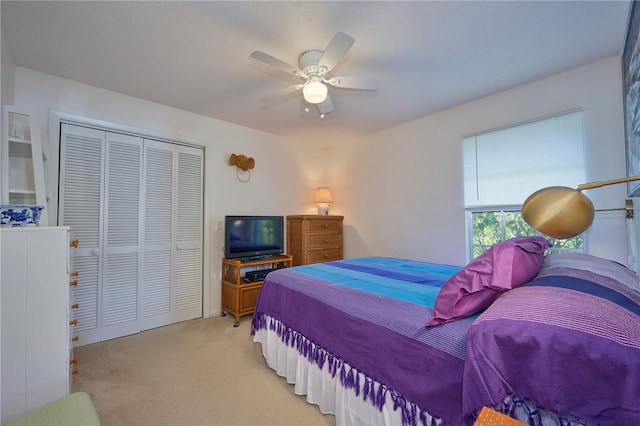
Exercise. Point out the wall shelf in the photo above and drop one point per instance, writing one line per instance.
(22, 164)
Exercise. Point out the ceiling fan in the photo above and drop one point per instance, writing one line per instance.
(314, 67)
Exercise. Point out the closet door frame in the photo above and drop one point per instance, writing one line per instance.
(57, 117)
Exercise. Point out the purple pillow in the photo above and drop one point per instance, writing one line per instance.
(504, 266)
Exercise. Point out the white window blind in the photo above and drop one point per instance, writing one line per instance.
(504, 167)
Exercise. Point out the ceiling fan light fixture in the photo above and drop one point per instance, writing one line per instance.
(314, 67)
(314, 92)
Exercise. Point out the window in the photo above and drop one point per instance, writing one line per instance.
(492, 226)
(503, 167)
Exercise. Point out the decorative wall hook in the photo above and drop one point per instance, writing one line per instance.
(242, 162)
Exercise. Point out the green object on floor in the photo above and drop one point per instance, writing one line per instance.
(74, 409)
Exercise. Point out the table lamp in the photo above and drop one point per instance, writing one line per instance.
(323, 200)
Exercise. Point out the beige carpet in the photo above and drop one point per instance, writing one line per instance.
(199, 372)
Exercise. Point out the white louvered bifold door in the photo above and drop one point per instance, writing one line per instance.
(188, 226)
(159, 253)
(122, 270)
(172, 289)
(136, 205)
(80, 207)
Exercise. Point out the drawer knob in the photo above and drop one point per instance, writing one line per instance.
(74, 274)
(74, 339)
(75, 306)
(73, 322)
(73, 361)
(74, 372)
(73, 283)
(74, 243)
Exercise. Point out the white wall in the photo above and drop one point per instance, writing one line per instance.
(401, 189)
(7, 72)
(278, 185)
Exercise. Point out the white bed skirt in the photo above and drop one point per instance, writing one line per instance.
(327, 392)
(322, 388)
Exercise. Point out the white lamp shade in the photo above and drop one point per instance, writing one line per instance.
(314, 92)
(323, 196)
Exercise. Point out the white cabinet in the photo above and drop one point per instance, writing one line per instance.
(35, 317)
(135, 205)
(22, 160)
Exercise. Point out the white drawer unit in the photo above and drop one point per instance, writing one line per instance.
(35, 317)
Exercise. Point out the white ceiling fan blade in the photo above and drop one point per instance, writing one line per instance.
(360, 83)
(325, 106)
(277, 63)
(283, 92)
(335, 51)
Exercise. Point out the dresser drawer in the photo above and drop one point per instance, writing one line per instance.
(324, 241)
(325, 225)
(316, 256)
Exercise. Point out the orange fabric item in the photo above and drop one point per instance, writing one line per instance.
(489, 417)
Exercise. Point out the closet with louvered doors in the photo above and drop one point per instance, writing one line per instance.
(135, 207)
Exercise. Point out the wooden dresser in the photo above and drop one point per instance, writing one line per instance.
(314, 238)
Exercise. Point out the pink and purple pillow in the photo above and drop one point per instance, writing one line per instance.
(504, 266)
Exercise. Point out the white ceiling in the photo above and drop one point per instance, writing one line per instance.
(429, 55)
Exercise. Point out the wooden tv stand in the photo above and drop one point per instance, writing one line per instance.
(239, 296)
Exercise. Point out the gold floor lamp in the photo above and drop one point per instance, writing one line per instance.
(561, 212)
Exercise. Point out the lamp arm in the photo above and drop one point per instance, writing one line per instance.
(599, 184)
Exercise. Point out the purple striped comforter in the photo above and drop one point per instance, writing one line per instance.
(569, 340)
(335, 312)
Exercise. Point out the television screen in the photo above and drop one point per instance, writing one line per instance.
(253, 237)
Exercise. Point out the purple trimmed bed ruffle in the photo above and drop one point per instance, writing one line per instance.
(363, 386)
(376, 393)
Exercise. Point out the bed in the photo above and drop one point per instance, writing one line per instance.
(546, 339)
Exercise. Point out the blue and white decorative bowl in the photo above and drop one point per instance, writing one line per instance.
(18, 215)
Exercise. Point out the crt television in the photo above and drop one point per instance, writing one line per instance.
(253, 237)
